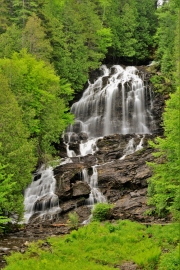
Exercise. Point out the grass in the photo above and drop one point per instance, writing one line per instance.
(102, 246)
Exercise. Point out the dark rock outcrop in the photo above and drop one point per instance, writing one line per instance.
(122, 180)
(81, 189)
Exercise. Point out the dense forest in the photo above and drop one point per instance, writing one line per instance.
(48, 48)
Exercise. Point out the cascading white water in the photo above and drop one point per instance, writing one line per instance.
(140, 145)
(95, 196)
(161, 2)
(39, 196)
(117, 102)
(70, 153)
(131, 148)
(88, 147)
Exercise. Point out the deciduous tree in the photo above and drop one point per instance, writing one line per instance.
(34, 39)
(17, 153)
(38, 92)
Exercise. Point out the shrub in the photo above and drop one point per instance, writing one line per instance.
(101, 211)
(73, 221)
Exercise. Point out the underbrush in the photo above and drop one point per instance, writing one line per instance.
(103, 246)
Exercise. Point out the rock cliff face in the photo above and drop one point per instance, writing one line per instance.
(123, 182)
(120, 158)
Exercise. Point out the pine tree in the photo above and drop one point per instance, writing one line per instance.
(22, 9)
(4, 18)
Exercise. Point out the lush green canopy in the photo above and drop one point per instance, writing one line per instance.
(165, 182)
(17, 153)
(38, 93)
(164, 186)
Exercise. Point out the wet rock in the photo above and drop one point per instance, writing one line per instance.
(75, 147)
(132, 208)
(81, 189)
(83, 212)
(15, 248)
(46, 202)
(71, 205)
(113, 147)
(68, 167)
(88, 160)
(65, 176)
(26, 243)
(83, 136)
(143, 172)
(71, 137)
(4, 251)
(134, 194)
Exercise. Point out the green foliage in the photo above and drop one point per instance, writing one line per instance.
(145, 29)
(4, 18)
(121, 18)
(133, 23)
(161, 84)
(170, 261)
(73, 221)
(101, 211)
(78, 38)
(22, 10)
(10, 41)
(34, 39)
(38, 93)
(6, 187)
(97, 247)
(150, 256)
(165, 39)
(16, 152)
(164, 184)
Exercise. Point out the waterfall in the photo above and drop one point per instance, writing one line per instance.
(140, 145)
(70, 153)
(161, 2)
(117, 102)
(131, 148)
(95, 196)
(39, 197)
(88, 147)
